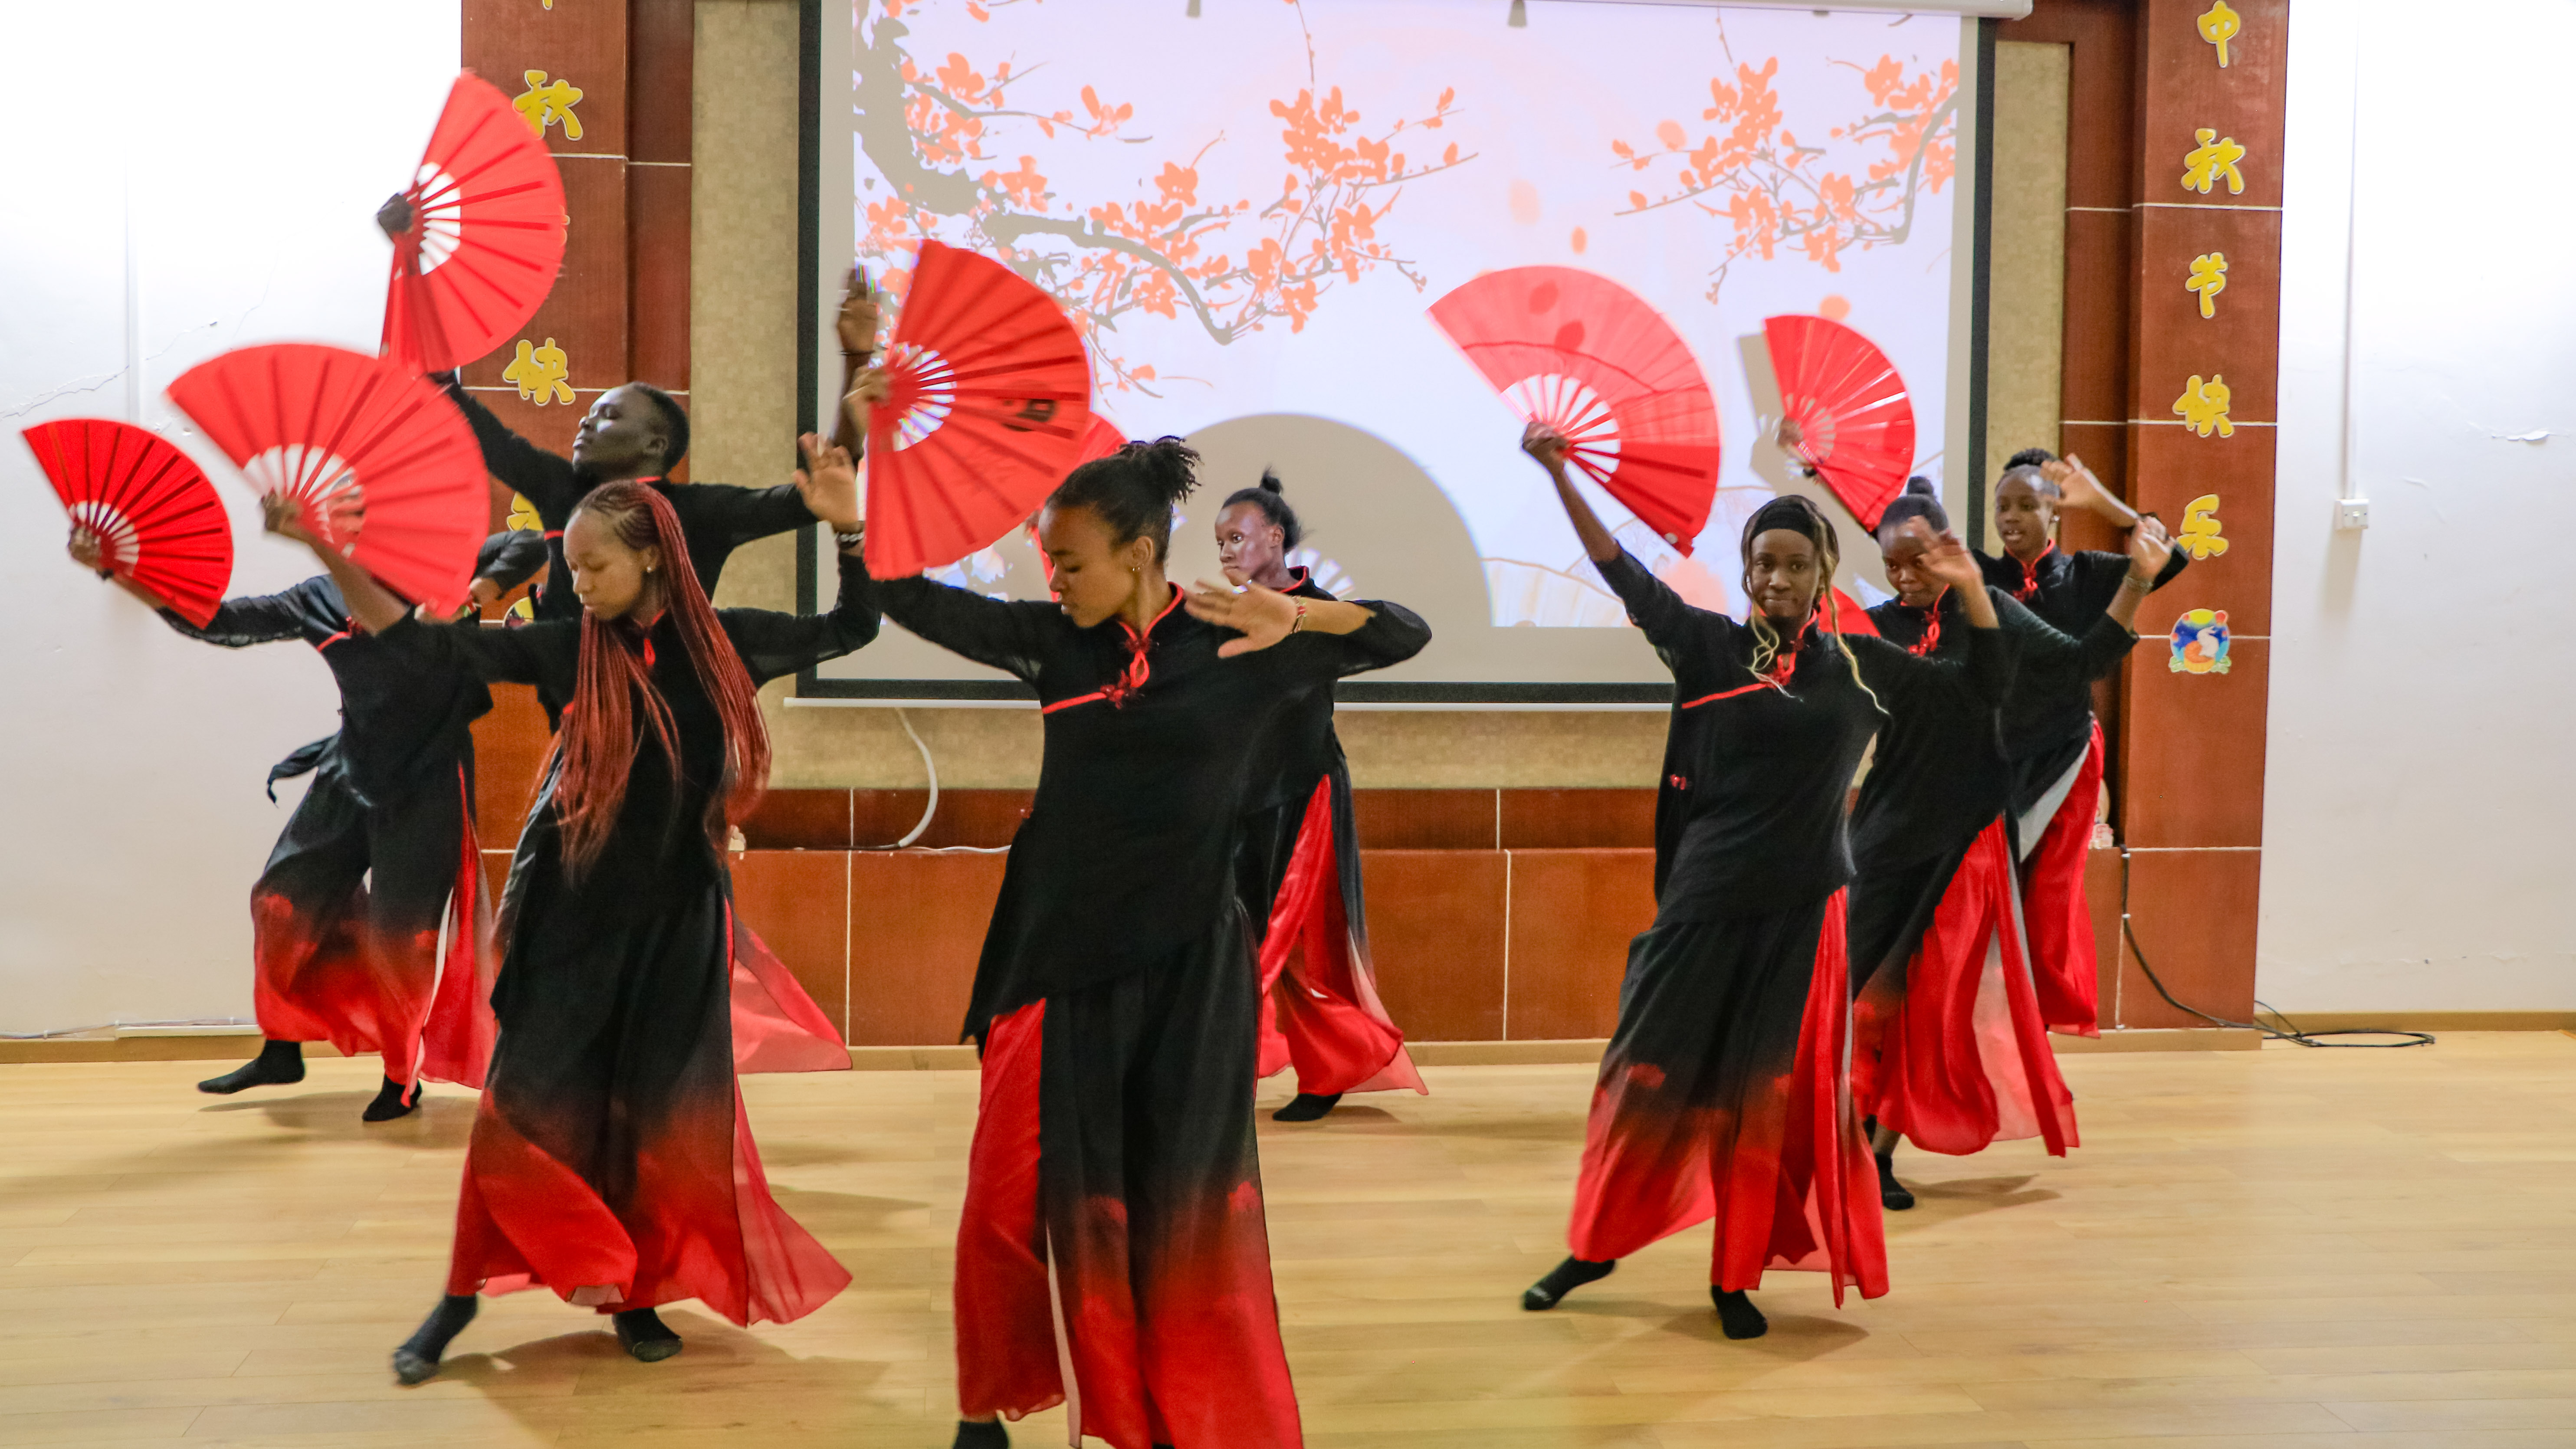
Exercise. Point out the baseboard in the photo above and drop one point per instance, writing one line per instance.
(147, 1044)
(2177, 1039)
(913, 1059)
(2435, 1021)
(1584, 1050)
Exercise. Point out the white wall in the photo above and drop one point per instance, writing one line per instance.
(255, 140)
(2419, 799)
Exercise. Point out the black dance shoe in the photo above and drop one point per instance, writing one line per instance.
(393, 1099)
(645, 1337)
(1892, 1195)
(1562, 1279)
(279, 1064)
(1737, 1315)
(417, 1359)
(971, 1435)
(1307, 1107)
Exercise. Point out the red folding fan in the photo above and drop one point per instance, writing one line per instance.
(1847, 400)
(486, 235)
(991, 404)
(1099, 440)
(383, 464)
(1589, 358)
(156, 518)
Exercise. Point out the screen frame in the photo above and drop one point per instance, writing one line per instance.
(812, 381)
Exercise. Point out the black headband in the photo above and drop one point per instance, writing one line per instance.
(1790, 511)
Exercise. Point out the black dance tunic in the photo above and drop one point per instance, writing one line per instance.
(1724, 1092)
(1942, 773)
(379, 853)
(1113, 1251)
(1327, 1019)
(1128, 848)
(2048, 720)
(610, 1161)
(1950, 1046)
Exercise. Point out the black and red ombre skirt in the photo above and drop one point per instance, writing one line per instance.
(1319, 1005)
(1949, 1047)
(1724, 1096)
(1113, 1255)
(372, 930)
(611, 1161)
(2058, 919)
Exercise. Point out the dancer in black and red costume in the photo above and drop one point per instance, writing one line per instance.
(378, 855)
(2049, 731)
(1112, 1255)
(1298, 865)
(611, 1160)
(1949, 1044)
(1724, 1091)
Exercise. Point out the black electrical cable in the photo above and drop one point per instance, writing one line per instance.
(2287, 1031)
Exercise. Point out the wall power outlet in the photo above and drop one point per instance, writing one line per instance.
(2352, 513)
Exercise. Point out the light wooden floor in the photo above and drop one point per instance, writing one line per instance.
(2276, 1248)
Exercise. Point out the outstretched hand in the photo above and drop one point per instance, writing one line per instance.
(872, 390)
(2076, 484)
(829, 482)
(1547, 445)
(1262, 616)
(1945, 557)
(2150, 547)
(280, 514)
(86, 552)
(857, 323)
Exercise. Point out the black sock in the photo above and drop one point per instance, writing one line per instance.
(418, 1357)
(1737, 1315)
(981, 1436)
(646, 1337)
(393, 1099)
(1562, 1279)
(278, 1063)
(1308, 1107)
(1892, 1195)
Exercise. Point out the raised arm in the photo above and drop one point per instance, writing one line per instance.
(774, 645)
(2078, 488)
(857, 325)
(1550, 448)
(544, 479)
(1363, 635)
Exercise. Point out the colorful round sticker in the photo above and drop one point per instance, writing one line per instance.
(2200, 642)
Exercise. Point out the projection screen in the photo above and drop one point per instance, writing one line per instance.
(1249, 210)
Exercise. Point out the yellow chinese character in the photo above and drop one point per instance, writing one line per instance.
(2213, 159)
(544, 105)
(2218, 27)
(2199, 534)
(523, 514)
(543, 373)
(2208, 278)
(2203, 406)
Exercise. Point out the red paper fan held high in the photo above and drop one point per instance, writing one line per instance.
(156, 518)
(991, 405)
(384, 466)
(486, 235)
(1856, 422)
(1589, 358)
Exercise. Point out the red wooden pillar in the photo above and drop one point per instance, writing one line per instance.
(2204, 375)
(609, 81)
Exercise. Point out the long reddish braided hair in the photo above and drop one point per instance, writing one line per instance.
(594, 751)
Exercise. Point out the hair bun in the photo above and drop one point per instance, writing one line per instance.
(1921, 487)
(1171, 465)
(1270, 481)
